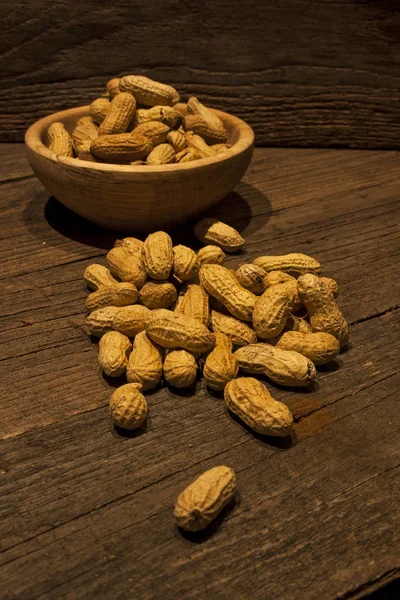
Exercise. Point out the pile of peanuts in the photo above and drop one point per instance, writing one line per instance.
(163, 311)
(137, 123)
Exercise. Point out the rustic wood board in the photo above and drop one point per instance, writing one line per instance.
(301, 72)
(86, 512)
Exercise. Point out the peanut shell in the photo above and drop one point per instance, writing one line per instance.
(128, 406)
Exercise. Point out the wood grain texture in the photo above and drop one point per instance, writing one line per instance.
(301, 72)
(86, 512)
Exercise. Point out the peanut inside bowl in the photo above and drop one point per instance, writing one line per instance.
(138, 198)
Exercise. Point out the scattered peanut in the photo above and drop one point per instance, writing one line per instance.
(202, 501)
(250, 400)
(289, 263)
(180, 368)
(98, 276)
(120, 294)
(251, 277)
(114, 350)
(175, 330)
(272, 309)
(221, 364)
(157, 255)
(223, 285)
(131, 320)
(157, 294)
(240, 333)
(100, 321)
(127, 266)
(145, 363)
(319, 347)
(186, 265)
(211, 255)
(218, 233)
(128, 406)
(194, 303)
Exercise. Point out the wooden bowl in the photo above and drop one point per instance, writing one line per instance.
(138, 198)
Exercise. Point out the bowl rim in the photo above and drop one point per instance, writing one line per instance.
(33, 140)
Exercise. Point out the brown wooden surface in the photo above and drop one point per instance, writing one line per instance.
(86, 512)
(301, 72)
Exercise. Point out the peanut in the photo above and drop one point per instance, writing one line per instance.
(163, 154)
(198, 146)
(97, 276)
(211, 135)
(85, 153)
(240, 333)
(297, 324)
(195, 107)
(132, 245)
(186, 265)
(289, 263)
(325, 314)
(100, 321)
(218, 233)
(249, 399)
(85, 131)
(156, 131)
(180, 368)
(274, 277)
(120, 114)
(332, 285)
(251, 277)
(158, 294)
(114, 350)
(220, 148)
(157, 255)
(223, 285)
(319, 347)
(131, 320)
(128, 406)
(60, 142)
(221, 364)
(174, 330)
(284, 367)
(99, 109)
(202, 501)
(120, 294)
(113, 86)
(211, 255)
(164, 114)
(145, 363)
(177, 141)
(194, 303)
(149, 92)
(127, 266)
(121, 147)
(185, 156)
(272, 309)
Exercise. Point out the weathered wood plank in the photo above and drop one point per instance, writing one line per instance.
(301, 72)
(87, 512)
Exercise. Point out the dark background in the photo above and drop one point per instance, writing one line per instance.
(301, 72)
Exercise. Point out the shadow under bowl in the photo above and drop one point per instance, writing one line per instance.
(138, 197)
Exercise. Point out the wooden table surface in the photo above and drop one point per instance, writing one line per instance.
(87, 513)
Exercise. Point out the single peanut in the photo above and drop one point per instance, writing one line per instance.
(100, 321)
(128, 406)
(120, 114)
(164, 114)
(220, 148)
(297, 324)
(127, 266)
(121, 147)
(163, 154)
(121, 294)
(180, 368)
(251, 277)
(289, 263)
(211, 255)
(114, 350)
(98, 276)
(174, 330)
(324, 313)
(157, 255)
(185, 156)
(250, 400)
(274, 277)
(158, 294)
(177, 141)
(132, 245)
(211, 135)
(195, 107)
(202, 501)
(319, 347)
(186, 265)
(60, 142)
(156, 131)
(240, 333)
(113, 86)
(332, 285)
(284, 367)
(131, 320)
(99, 109)
(145, 363)
(149, 92)
(195, 303)
(85, 153)
(221, 364)
(223, 285)
(272, 309)
(198, 146)
(218, 233)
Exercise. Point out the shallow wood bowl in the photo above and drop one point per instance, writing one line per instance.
(138, 198)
